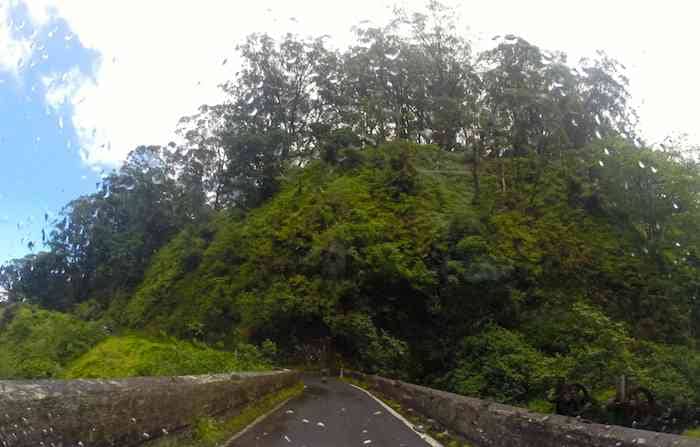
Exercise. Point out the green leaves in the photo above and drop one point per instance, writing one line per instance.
(38, 344)
(499, 364)
(130, 355)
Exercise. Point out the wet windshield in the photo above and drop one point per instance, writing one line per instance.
(499, 200)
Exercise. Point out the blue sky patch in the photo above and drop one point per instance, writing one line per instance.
(39, 150)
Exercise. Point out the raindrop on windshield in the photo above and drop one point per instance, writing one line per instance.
(393, 56)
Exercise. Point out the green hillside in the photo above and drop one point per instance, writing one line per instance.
(388, 256)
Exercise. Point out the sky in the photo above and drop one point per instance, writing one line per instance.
(84, 82)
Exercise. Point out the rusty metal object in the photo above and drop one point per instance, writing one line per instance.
(635, 407)
(572, 399)
(640, 407)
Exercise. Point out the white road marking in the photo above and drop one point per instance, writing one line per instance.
(429, 440)
(254, 423)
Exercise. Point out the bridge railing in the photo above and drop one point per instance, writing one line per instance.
(485, 423)
(123, 412)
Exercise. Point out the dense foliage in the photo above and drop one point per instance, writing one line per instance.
(391, 260)
(485, 223)
(40, 344)
(129, 355)
(36, 343)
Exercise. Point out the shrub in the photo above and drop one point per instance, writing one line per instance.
(500, 364)
(132, 355)
(38, 343)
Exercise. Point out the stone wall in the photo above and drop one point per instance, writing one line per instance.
(485, 423)
(125, 412)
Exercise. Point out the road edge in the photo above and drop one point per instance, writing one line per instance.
(425, 437)
(258, 420)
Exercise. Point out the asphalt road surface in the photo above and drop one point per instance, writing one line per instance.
(332, 414)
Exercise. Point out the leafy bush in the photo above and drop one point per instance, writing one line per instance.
(501, 365)
(131, 355)
(373, 349)
(37, 343)
(587, 346)
(671, 372)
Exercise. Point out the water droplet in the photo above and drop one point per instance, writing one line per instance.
(607, 152)
(393, 56)
(641, 165)
(600, 162)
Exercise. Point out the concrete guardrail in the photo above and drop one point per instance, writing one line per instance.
(485, 423)
(125, 412)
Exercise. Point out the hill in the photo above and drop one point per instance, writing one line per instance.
(386, 258)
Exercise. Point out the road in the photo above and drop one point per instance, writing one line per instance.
(332, 414)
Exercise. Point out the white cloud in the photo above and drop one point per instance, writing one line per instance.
(161, 59)
(13, 50)
(62, 89)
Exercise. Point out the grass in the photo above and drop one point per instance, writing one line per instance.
(210, 432)
(692, 432)
(132, 355)
(446, 438)
(38, 344)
